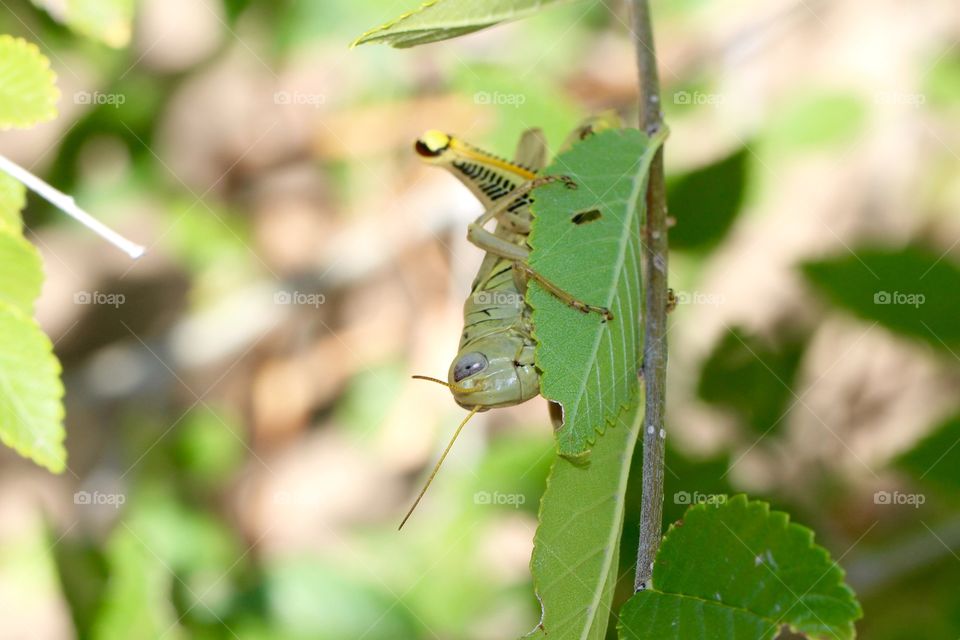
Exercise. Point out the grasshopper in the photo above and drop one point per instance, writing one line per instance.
(494, 366)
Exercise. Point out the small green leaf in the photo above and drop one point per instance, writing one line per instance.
(444, 19)
(936, 458)
(752, 377)
(576, 547)
(28, 90)
(738, 571)
(13, 198)
(587, 241)
(706, 201)
(31, 410)
(21, 272)
(911, 290)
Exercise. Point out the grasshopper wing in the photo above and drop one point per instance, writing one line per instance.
(532, 150)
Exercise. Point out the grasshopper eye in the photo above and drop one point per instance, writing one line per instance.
(469, 364)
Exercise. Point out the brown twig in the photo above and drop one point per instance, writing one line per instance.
(654, 240)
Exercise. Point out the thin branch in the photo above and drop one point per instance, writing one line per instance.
(654, 241)
(69, 206)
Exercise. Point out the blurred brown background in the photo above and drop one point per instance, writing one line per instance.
(243, 432)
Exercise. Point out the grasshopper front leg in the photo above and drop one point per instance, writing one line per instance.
(502, 248)
(502, 210)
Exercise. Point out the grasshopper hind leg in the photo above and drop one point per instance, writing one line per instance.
(565, 297)
(497, 246)
(505, 248)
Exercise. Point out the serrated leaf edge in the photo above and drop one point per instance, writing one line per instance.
(57, 370)
(50, 75)
(639, 180)
(782, 520)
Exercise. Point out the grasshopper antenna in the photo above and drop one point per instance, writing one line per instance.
(436, 468)
(453, 387)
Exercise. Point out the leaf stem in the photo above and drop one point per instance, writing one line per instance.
(69, 206)
(654, 241)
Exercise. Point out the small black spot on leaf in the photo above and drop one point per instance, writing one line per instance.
(586, 216)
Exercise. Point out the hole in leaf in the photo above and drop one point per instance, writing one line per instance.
(556, 414)
(586, 216)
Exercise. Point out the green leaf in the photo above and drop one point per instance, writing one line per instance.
(108, 21)
(31, 411)
(587, 241)
(576, 547)
(28, 90)
(752, 377)
(21, 272)
(706, 201)
(444, 19)
(13, 198)
(738, 571)
(911, 290)
(936, 458)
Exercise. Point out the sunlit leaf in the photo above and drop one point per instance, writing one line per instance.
(575, 555)
(13, 197)
(911, 290)
(587, 241)
(28, 90)
(21, 272)
(443, 19)
(31, 411)
(738, 571)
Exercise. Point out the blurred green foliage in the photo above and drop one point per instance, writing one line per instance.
(705, 201)
(753, 378)
(912, 290)
(817, 120)
(935, 459)
(175, 560)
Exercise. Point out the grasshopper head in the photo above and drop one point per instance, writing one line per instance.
(490, 375)
(432, 144)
